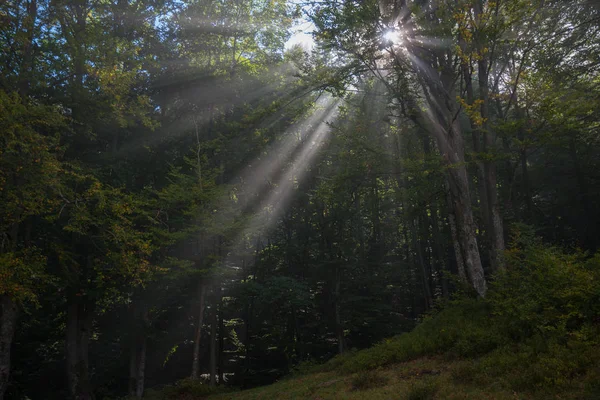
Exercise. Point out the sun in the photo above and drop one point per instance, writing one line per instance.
(392, 36)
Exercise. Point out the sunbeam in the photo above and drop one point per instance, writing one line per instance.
(275, 198)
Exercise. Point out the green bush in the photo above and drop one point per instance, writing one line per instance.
(547, 293)
(423, 390)
(463, 329)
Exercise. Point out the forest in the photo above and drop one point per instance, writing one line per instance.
(192, 203)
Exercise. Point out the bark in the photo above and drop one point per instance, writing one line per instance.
(339, 329)
(137, 360)
(141, 367)
(495, 223)
(213, 345)
(8, 324)
(460, 264)
(198, 335)
(418, 248)
(79, 325)
(476, 138)
(465, 228)
(439, 252)
(247, 337)
(221, 338)
(132, 367)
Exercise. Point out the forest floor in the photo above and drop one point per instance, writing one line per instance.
(426, 378)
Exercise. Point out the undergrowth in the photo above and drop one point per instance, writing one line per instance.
(537, 329)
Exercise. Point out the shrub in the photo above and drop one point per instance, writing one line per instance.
(423, 390)
(547, 293)
(462, 329)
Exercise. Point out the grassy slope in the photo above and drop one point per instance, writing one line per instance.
(457, 354)
(424, 378)
(420, 379)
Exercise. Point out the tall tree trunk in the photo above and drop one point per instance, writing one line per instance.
(8, 325)
(465, 228)
(221, 329)
(79, 326)
(137, 360)
(495, 223)
(221, 338)
(438, 248)
(339, 329)
(418, 248)
(213, 344)
(198, 335)
(476, 138)
(443, 125)
(133, 364)
(141, 365)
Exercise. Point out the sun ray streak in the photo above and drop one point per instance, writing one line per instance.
(273, 203)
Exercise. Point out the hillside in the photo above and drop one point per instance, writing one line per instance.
(420, 379)
(535, 336)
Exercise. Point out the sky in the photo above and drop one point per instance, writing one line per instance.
(301, 34)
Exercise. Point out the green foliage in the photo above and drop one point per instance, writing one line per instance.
(29, 165)
(423, 389)
(548, 294)
(462, 329)
(22, 274)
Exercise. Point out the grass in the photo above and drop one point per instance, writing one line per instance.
(425, 378)
(456, 354)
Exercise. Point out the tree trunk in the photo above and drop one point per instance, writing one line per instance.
(137, 360)
(198, 335)
(445, 128)
(133, 356)
(495, 223)
(442, 265)
(213, 345)
(221, 338)
(427, 296)
(464, 228)
(141, 366)
(79, 325)
(339, 329)
(476, 138)
(8, 324)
